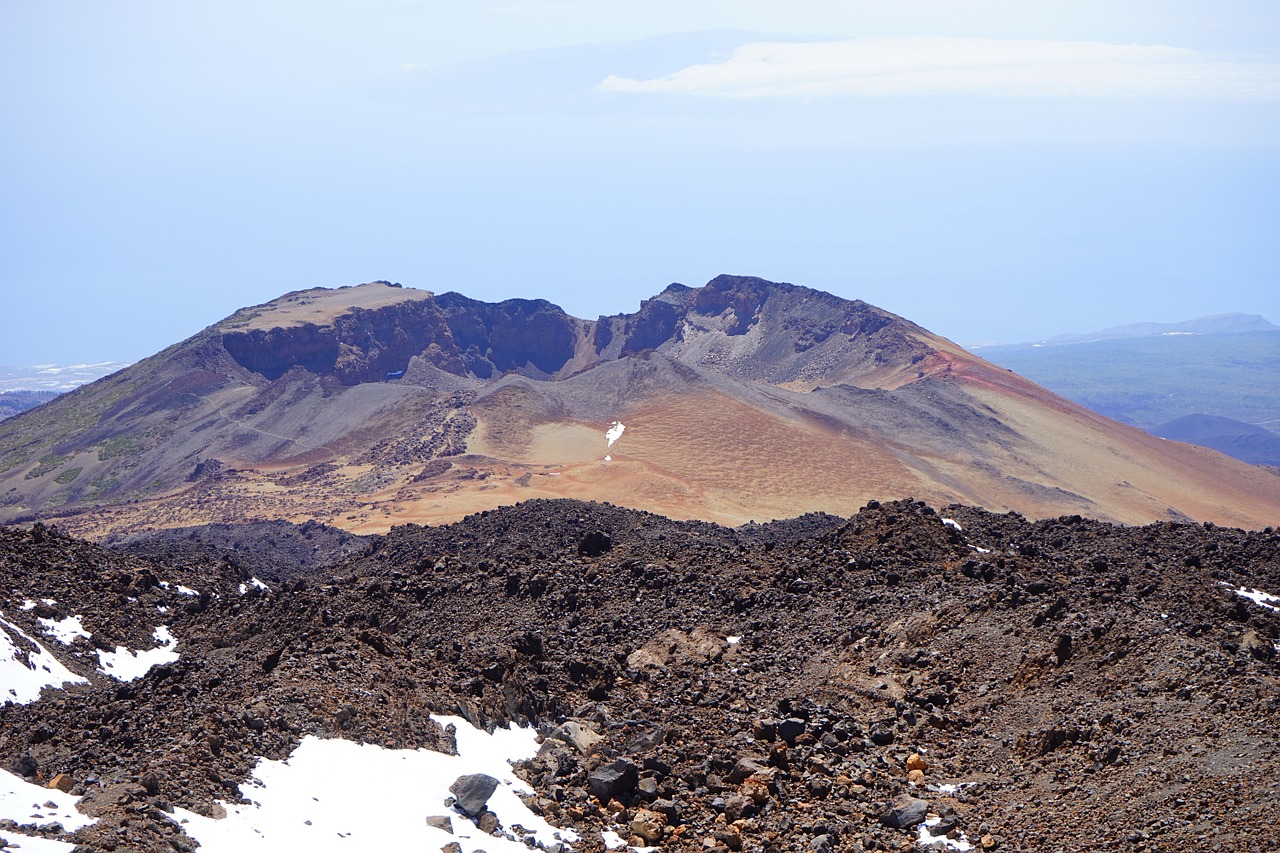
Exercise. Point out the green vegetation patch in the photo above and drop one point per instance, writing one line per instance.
(120, 445)
(102, 484)
(48, 462)
(68, 475)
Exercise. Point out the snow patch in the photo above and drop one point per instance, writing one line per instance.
(254, 582)
(25, 803)
(733, 641)
(926, 837)
(951, 522)
(23, 673)
(124, 665)
(28, 604)
(614, 433)
(66, 630)
(612, 840)
(179, 588)
(338, 795)
(1257, 596)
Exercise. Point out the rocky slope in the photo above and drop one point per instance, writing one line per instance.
(744, 399)
(1053, 685)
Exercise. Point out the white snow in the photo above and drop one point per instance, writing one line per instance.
(254, 582)
(124, 665)
(23, 802)
(612, 840)
(23, 675)
(1257, 596)
(926, 837)
(338, 795)
(28, 604)
(733, 641)
(35, 844)
(66, 630)
(179, 588)
(951, 522)
(614, 433)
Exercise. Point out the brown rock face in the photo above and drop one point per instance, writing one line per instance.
(365, 345)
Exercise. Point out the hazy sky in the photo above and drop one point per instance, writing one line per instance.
(996, 171)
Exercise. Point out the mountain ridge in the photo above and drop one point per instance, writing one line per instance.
(744, 399)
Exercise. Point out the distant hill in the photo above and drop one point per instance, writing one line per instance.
(14, 402)
(1149, 379)
(1216, 324)
(1244, 441)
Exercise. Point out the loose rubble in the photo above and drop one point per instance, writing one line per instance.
(1074, 685)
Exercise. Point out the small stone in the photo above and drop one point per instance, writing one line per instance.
(488, 822)
(473, 791)
(765, 730)
(748, 766)
(756, 788)
(988, 842)
(439, 821)
(790, 729)
(916, 777)
(451, 847)
(916, 761)
(63, 782)
(648, 824)
(821, 844)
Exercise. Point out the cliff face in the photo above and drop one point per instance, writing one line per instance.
(363, 345)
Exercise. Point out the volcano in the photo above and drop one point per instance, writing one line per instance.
(743, 400)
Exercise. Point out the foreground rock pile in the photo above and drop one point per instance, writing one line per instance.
(818, 684)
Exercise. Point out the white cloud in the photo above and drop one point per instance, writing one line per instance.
(873, 67)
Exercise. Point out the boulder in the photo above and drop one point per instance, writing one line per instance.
(904, 812)
(616, 779)
(473, 791)
(576, 735)
(748, 766)
(63, 782)
(648, 824)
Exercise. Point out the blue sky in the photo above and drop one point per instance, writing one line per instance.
(995, 171)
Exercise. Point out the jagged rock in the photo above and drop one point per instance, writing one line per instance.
(904, 812)
(747, 766)
(473, 791)
(822, 844)
(579, 736)
(441, 822)
(648, 825)
(594, 544)
(615, 779)
(790, 729)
